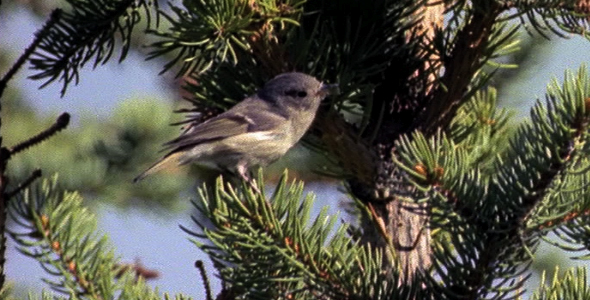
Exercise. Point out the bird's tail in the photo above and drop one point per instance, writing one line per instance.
(168, 161)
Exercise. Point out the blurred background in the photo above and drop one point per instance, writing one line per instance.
(120, 117)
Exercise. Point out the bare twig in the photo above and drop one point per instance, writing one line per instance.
(138, 269)
(206, 282)
(4, 156)
(62, 122)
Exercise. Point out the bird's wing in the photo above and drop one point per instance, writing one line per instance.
(249, 118)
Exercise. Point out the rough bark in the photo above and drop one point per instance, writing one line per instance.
(399, 223)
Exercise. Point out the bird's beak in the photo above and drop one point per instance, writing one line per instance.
(328, 89)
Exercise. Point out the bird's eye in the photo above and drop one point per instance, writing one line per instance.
(296, 93)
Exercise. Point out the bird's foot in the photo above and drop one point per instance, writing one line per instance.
(243, 172)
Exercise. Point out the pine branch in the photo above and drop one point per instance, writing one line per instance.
(553, 16)
(45, 295)
(89, 31)
(566, 204)
(57, 231)
(303, 258)
(558, 132)
(206, 33)
(480, 128)
(398, 97)
(467, 258)
(461, 64)
(25, 184)
(493, 220)
(53, 19)
(572, 285)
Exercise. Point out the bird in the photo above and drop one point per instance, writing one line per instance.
(255, 132)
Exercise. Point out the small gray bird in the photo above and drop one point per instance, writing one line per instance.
(255, 132)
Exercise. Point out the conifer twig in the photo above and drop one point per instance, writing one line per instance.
(55, 16)
(36, 174)
(461, 65)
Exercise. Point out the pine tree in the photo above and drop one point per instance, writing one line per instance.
(450, 203)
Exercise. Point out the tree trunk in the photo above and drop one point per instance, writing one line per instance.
(396, 223)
